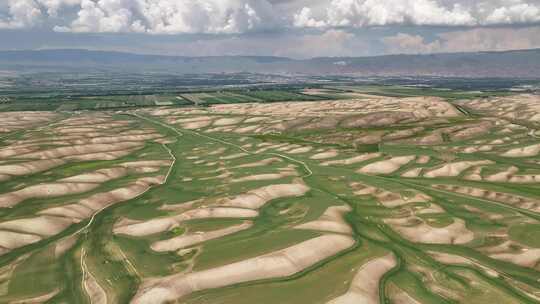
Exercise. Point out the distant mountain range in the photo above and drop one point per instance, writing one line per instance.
(509, 64)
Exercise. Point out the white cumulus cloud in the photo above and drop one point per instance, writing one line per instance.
(305, 18)
(360, 13)
(515, 13)
(407, 43)
(52, 7)
(472, 40)
(172, 16)
(149, 16)
(21, 14)
(241, 16)
(103, 16)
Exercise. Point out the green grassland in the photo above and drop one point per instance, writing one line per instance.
(119, 102)
(368, 227)
(263, 96)
(93, 103)
(404, 91)
(121, 263)
(44, 102)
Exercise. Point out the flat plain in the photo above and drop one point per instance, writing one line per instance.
(337, 197)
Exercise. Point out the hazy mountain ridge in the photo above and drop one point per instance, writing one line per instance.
(525, 63)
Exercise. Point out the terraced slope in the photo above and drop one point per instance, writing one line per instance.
(375, 200)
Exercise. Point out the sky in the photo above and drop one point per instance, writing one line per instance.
(289, 28)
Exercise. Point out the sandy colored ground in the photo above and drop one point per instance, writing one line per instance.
(191, 239)
(452, 259)
(282, 116)
(117, 139)
(13, 121)
(474, 149)
(255, 119)
(269, 265)
(503, 176)
(433, 284)
(237, 207)
(403, 133)
(399, 296)
(228, 121)
(325, 155)
(11, 240)
(218, 151)
(529, 259)
(147, 163)
(423, 159)
(388, 166)
(288, 147)
(514, 200)
(365, 285)
(112, 155)
(300, 150)
(42, 226)
(389, 199)
(510, 176)
(393, 200)
(49, 222)
(352, 160)
(95, 292)
(471, 130)
(98, 176)
(144, 228)
(81, 150)
(516, 107)
(257, 198)
(225, 129)
(248, 129)
(11, 199)
(412, 173)
(64, 245)
(475, 174)
(261, 177)
(6, 272)
(194, 123)
(165, 141)
(421, 107)
(264, 162)
(234, 156)
(265, 148)
(279, 264)
(77, 184)
(433, 208)
(416, 230)
(10, 152)
(455, 169)
(31, 167)
(331, 221)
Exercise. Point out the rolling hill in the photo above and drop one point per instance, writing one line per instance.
(524, 64)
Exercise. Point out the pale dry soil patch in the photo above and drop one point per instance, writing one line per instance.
(330, 221)
(364, 287)
(388, 166)
(191, 239)
(278, 264)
